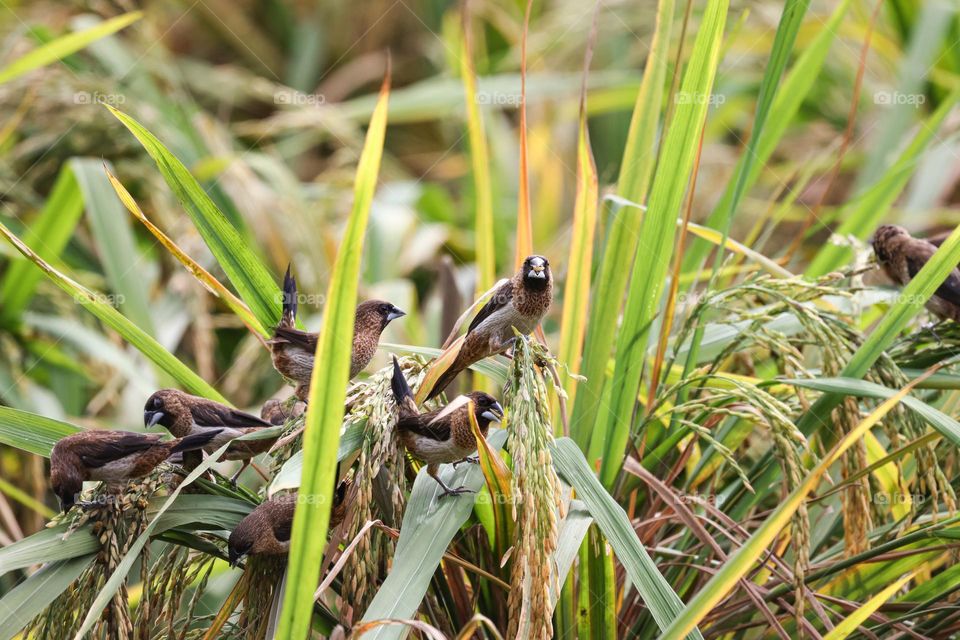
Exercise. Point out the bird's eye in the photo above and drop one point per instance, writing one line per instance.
(384, 309)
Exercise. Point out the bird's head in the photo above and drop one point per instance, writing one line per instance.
(486, 408)
(165, 407)
(884, 238)
(536, 272)
(377, 313)
(238, 546)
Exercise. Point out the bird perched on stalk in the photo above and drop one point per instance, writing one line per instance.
(266, 529)
(902, 256)
(293, 350)
(183, 414)
(442, 435)
(517, 304)
(113, 457)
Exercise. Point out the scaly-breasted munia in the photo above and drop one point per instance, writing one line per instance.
(294, 350)
(266, 529)
(520, 303)
(902, 256)
(113, 457)
(183, 414)
(442, 435)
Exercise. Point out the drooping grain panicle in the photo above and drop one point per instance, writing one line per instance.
(537, 490)
(372, 403)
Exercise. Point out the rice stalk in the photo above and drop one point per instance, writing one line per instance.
(537, 487)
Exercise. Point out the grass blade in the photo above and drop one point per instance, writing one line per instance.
(849, 625)
(51, 230)
(115, 242)
(480, 164)
(657, 232)
(246, 272)
(524, 222)
(864, 213)
(25, 601)
(576, 292)
(93, 302)
(664, 604)
(31, 432)
(609, 289)
(213, 285)
(64, 46)
(328, 391)
(747, 555)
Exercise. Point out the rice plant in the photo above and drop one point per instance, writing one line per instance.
(730, 422)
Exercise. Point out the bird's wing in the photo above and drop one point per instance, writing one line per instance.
(97, 453)
(950, 289)
(497, 301)
(424, 425)
(213, 414)
(452, 406)
(302, 339)
(283, 521)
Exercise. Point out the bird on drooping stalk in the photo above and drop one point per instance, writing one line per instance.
(517, 304)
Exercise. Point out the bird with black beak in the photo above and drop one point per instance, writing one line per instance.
(517, 304)
(265, 531)
(293, 350)
(443, 435)
(113, 457)
(902, 256)
(183, 414)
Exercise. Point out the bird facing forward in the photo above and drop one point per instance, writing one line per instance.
(113, 457)
(520, 303)
(266, 529)
(183, 414)
(902, 256)
(293, 350)
(442, 435)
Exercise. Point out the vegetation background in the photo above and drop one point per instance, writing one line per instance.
(744, 462)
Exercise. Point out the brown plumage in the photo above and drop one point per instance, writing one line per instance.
(293, 350)
(113, 457)
(902, 256)
(520, 303)
(183, 414)
(278, 412)
(266, 529)
(442, 435)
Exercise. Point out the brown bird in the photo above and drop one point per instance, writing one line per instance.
(442, 435)
(520, 303)
(266, 529)
(113, 457)
(278, 412)
(293, 350)
(183, 414)
(902, 256)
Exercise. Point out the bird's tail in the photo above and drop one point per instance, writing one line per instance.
(289, 317)
(445, 379)
(401, 390)
(195, 440)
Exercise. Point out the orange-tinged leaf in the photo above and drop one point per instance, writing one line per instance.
(497, 475)
(437, 367)
(524, 222)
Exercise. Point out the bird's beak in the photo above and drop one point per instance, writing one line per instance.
(396, 313)
(537, 272)
(235, 557)
(494, 413)
(151, 418)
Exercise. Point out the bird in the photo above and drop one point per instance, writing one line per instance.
(293, 350)
(266, 529)
(902, 256)
(278, 412)
(113, 457)
(183, 414)
(442, 435)
(519, 303)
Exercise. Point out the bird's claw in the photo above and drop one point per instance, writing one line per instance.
(455, 492)
(467, 460)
